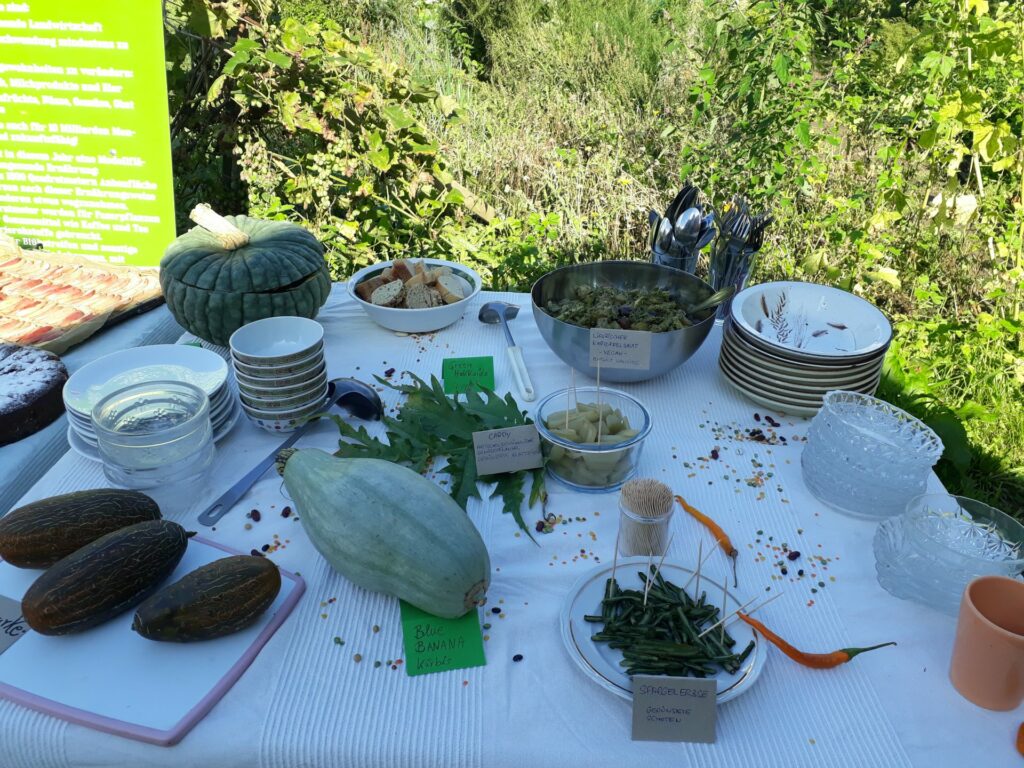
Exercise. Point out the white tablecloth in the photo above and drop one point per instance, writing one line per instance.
(306, 703)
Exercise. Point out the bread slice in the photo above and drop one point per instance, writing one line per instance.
(450, 289)
(389, 295)
(422, 297)
(366, 288)
(400, 271)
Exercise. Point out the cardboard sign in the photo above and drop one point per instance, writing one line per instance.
(85, 146)
(611, 348)
(12, 624)
(461, 373)
(507, 450)
(433, 644)
(674, 708)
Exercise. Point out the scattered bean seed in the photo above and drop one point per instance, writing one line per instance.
(517, 657)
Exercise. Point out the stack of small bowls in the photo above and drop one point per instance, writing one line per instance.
(280, 369)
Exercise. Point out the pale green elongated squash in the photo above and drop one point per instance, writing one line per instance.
(388, 529)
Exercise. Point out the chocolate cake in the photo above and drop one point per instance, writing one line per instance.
(31, 384)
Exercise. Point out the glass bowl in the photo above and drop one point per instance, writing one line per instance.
(154, 433)
(588, 465)
(941, 543)
(865, 457)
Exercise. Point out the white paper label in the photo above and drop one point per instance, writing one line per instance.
(507, 450)
(674, 708)
(12, 624)
(611, 348)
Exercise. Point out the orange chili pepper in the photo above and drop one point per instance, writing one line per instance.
(716, 530)
(813, 660)
(1020, 739)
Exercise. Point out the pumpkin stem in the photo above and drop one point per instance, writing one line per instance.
(282, 458)
(230, 236)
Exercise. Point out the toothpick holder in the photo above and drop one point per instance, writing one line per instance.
(642, 535)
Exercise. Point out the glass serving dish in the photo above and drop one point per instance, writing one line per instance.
(592, 459)
(152, 434)
(941, 543)
(865, 457)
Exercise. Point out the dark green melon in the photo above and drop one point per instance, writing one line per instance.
(232, 270)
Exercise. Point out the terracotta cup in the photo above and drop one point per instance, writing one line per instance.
(988, 655)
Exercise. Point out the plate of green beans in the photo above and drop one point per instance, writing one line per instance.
(613, 632)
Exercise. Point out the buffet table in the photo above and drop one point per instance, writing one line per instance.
(306, 700)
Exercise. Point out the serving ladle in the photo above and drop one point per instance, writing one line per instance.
(494, 312)
(713, 300)
(358, 398)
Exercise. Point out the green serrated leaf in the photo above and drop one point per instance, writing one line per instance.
(279, 59)
(430, 425)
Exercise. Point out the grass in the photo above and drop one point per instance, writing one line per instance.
(577, 117)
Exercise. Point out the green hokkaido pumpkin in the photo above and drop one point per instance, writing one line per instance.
(232, 270)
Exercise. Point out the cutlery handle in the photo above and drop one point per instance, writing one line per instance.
(522, 376)
(223, 505)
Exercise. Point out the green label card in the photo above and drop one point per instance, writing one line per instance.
(459, 373)
(437, 645)
(85, 146)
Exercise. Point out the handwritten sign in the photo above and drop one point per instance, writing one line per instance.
(610, 348)
(433, 644)
(674, 708)
(12, 623)
(507, 450)
(461, 373)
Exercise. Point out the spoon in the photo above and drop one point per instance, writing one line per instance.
(494, 312)
(664, 237)
(361, 400)
(714, 299)
(687, 228)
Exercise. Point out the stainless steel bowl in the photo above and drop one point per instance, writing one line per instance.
(571, 343)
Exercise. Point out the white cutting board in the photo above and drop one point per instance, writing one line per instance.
(104, 678)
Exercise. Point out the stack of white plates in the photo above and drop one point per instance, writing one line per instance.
(281, 372)
(786, 344)
(159, 362)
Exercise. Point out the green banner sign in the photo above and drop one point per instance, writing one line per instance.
(85, 152)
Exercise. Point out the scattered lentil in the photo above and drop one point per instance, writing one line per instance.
(376, 629)
(357, 658)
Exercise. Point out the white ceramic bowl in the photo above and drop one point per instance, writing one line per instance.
(281, 369)
(417, 320)
(264, 392)
(286, 403)
(806, 321)
(302, 376)
(284, 421)
(275, 341)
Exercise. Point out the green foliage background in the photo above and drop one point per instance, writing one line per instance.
(517, 135)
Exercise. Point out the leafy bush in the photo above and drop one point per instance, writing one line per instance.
(518, 135)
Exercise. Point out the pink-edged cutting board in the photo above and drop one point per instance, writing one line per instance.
(105, 678)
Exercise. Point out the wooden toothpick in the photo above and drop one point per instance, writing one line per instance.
(647, 581)
(728, 619)
(725, 597)
(700, 562)
(615, 557)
